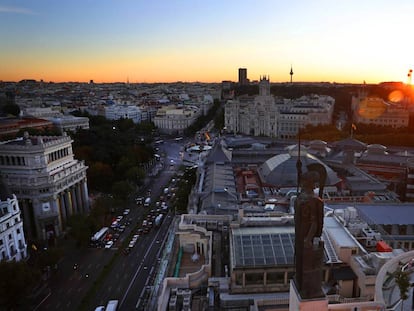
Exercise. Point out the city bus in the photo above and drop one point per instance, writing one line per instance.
(99, 237)
(112, 305)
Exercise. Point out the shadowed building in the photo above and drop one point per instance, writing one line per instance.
(243, 76)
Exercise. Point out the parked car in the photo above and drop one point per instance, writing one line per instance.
(109, 244)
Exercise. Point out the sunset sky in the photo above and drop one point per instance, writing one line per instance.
(193, 40)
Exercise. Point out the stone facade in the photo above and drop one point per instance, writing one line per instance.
(174, 120)
(13, 245)
(264, 115)
(48, 182)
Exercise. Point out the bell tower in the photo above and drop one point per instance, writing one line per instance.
(264, 86)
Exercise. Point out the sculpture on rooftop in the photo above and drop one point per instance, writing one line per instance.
(309, 249)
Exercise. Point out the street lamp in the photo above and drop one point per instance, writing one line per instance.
(234, 196)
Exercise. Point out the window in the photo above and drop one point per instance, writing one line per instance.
(239, 279)
(276, 277)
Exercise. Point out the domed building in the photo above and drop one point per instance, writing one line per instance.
(281, 170)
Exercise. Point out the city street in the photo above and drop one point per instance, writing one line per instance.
(109, 272)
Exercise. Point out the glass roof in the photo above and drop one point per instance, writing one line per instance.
(263, 248)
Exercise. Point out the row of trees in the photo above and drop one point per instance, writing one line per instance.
(203, 120)
(184, 187)
(116, 153)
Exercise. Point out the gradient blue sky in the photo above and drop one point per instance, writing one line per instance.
(192, 40)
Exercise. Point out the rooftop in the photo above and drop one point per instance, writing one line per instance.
(263, 246)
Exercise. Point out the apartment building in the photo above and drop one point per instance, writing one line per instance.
(115, 112)
(13, 245)
(376, 111)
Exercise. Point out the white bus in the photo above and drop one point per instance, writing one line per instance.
(99, 236)
(112, 305)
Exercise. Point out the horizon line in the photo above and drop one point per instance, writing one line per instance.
(180, 81)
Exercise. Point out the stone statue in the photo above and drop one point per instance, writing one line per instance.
(309, 249)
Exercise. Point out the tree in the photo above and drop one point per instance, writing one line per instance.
(101, 213)
(12, 109)
(80, 229)
(403, 282)
(121, 190)
(100, 176)
(16, 283)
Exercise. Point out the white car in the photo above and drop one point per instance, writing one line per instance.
(126, 211)
(109, 244)
(131, 244)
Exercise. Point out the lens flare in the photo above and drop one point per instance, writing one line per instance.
(371, 108)
(396, 96)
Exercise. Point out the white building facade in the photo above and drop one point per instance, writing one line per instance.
(13, 246)
(49, 183)
(116, 112)
(281, 118)
(173, 120)
(70, 123)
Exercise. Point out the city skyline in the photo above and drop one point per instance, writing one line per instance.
(197, 41)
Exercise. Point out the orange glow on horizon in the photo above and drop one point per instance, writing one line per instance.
(101, 74)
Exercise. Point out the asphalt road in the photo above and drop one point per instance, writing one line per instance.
(129, 275)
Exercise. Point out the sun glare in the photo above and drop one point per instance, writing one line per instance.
(371, 108)
(396, 96)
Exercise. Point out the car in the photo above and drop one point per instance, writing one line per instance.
(119, 218)
(126, 211)
(109, 244)
(115, 237)
(131, 244)
(100, 308)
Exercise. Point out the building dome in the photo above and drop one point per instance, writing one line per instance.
(281, 171)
